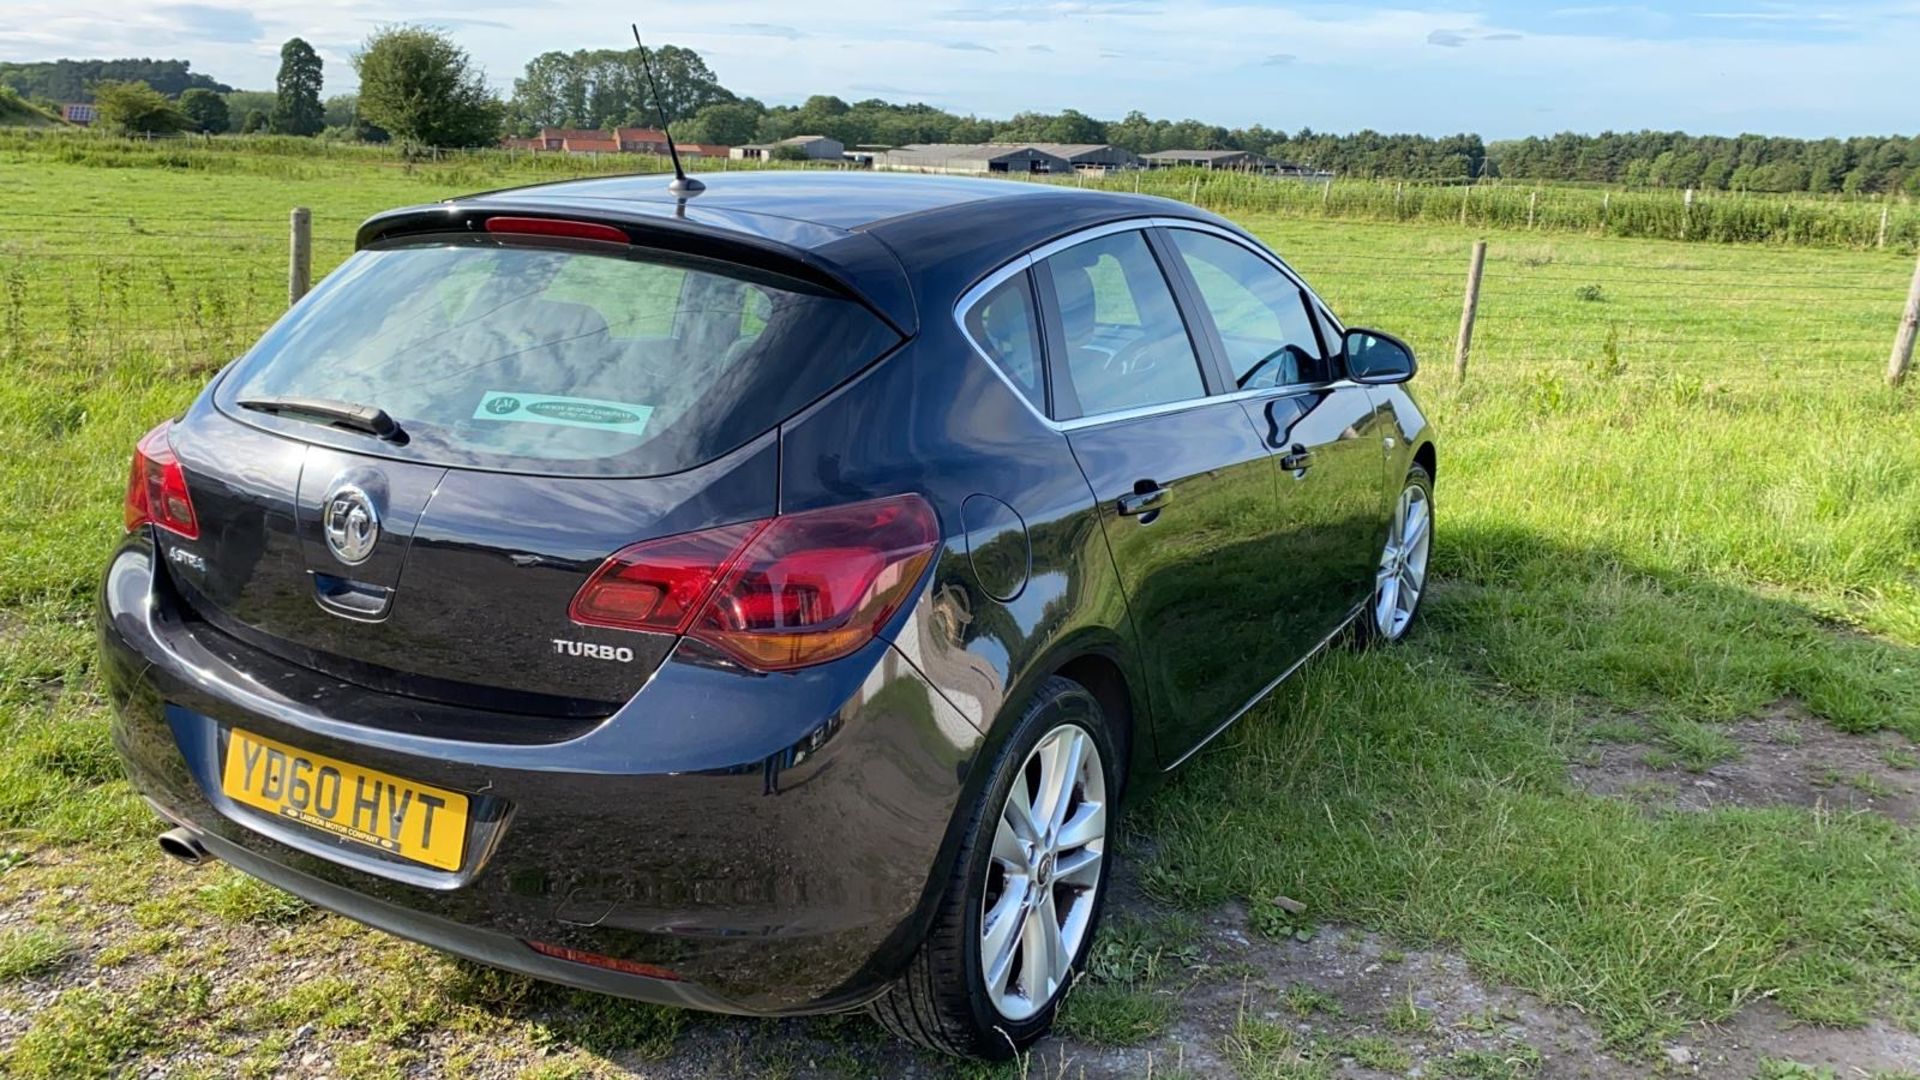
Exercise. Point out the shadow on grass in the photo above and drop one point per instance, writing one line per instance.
(1422, 791)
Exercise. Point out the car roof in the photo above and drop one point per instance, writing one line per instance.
(836, 199)
(846, 201)
(904, 242)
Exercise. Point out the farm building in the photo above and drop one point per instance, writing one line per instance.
(1007, 157)
(1243, 160)
(1092, 157)
(641, 140)
(590, 140)
(555, 138)
(1237, 160)
(816, 147)
(972, 158)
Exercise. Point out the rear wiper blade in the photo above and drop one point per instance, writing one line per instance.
(367, 419)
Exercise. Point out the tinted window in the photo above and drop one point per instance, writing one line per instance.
(1126, 345)
(1007, 329)
(549, 360)
(1260, 313)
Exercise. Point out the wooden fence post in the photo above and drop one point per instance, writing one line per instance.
(299, 255)
(1606, 210)
(1686, 213)
(1463, 344)
(1902, 357)
(1194, 197)
(1884, 207)
(1466, 196)
(1533, 201)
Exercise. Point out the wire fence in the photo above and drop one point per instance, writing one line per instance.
(87, 286)
(1861, 222)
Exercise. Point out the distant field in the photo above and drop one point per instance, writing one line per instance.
(1678, 567)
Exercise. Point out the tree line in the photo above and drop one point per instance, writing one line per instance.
(62, 81)
(1673, 159)
(418, 86)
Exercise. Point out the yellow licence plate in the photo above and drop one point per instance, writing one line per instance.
(409, 819)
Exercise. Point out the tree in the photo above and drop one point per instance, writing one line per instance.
(255, 123)
(242, 102)
(420, 86)
(729, 123)
(205, 110)
(134, 107)
(296, 107)
(345, 122)
(603, 88)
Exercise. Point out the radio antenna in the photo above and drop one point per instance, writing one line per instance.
(682, 184)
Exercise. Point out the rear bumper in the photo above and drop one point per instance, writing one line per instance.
(774, 841)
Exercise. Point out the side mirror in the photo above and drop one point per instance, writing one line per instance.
(1377, 358)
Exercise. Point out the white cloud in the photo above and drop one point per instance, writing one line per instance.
(1215, 59)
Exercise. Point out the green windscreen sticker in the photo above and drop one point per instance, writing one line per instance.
(567, 411)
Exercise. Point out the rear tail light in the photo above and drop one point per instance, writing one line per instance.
(157, 487)
(796, 590)
(660, 584)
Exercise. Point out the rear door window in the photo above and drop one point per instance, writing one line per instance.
(541, 359)
(1126, 344)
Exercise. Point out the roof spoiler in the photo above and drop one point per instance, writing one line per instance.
(850, 264)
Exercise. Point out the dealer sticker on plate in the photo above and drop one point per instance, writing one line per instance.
(402, 817)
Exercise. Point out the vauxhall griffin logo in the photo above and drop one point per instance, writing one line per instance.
(351, 525)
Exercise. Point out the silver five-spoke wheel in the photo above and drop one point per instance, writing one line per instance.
(1403, 565)
(1043, 879)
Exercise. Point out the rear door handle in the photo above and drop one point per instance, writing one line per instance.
(1147, 498)
(1297, 459)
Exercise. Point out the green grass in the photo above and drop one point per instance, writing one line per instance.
(27, 953)
(1108, 1015)
(1376, 1052)
(1266, 1050)
(1659, 511)
(237, 898)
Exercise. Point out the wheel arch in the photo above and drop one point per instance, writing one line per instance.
(1106, 680)
(1427, 458)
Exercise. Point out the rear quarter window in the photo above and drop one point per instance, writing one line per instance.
(551, 360)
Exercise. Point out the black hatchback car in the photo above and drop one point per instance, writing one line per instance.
(756, 601)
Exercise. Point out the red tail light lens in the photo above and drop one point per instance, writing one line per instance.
(157, 487)
(659, 584)
(800, 589)
(816, 586)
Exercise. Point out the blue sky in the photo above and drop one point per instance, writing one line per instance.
(1502, 68)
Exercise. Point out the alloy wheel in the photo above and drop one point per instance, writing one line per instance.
(1403, 565)
(1044, 875)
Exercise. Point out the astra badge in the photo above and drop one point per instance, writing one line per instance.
(351, 525)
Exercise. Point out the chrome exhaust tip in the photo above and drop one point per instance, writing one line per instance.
(185, 845)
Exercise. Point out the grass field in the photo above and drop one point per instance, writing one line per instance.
(1649, 763)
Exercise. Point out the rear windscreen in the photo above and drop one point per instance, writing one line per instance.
(549, 360)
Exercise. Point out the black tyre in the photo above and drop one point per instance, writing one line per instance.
(1020, 911)
(1401, 582)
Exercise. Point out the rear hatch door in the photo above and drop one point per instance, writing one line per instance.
(555, 401)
